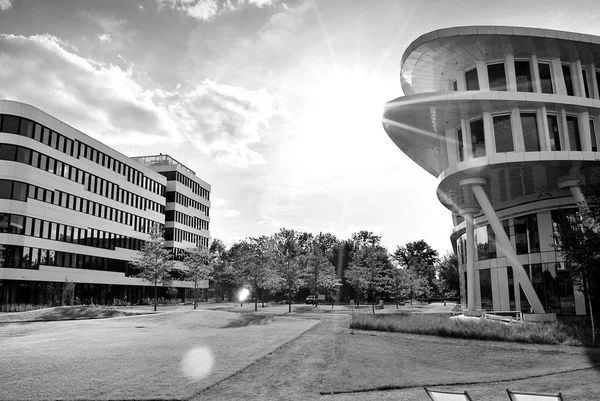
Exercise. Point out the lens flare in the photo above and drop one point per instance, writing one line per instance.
(243, 294)
(197, 363)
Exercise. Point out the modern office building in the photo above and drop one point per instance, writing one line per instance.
(187, 204)
(71, 208)
(508, 120)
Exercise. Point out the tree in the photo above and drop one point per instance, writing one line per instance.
(154, 261)
(253, 264)
(579, 242)
(223, 273)
(407, 284)
(370, 268)
(448, 276)
(289, 246)
(419, 257)
(199, 263)
(321, 273)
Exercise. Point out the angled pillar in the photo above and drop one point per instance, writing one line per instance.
(476, 185)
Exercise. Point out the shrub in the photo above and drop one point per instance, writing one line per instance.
(441, 325)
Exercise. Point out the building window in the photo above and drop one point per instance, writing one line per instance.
(497, 77)
(10, 124)
(461, 152)
(485, 285)
(523, 73)
(455, 85)
(527, 236)
(477, 138)
(554, 133)
(472, 80)
(530, 132)
(593, 136)
(586, 88)
(568, 80)
(573, 130)
(503, 134)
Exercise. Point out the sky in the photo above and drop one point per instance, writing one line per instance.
(276, 104)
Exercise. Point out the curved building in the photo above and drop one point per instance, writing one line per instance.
(508, 120)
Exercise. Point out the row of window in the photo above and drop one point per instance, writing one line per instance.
(526, 239)
(21, 191)
(23, 257)
(188, 182)
(173, 196)
(22, 126)
(178, 235)
(92, 183)
(32, 227)
(497, 78)
(551, 282)
(185, 219)
(504, 138)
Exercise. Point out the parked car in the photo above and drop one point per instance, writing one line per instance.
(311, 299)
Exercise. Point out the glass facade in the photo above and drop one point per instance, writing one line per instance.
(545, 78)
(573, 130)
(472, 80)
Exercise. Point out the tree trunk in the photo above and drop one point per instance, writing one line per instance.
(195, 295)
(155, 294)
(290, 300)
(373, 300)
(592, 320)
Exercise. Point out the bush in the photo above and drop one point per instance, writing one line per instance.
(441, 325)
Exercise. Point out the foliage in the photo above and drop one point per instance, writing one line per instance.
(223, 273)
(252, 261)
(68, 293)
(448, 282)
(172, 292)
(199, 263)
(154, 261)
(441, 325)
(370, 269)
(290, 245)
(320, 272)
(419, 257)
(579, 242)
(408, 284)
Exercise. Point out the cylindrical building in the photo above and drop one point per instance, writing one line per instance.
(508, 119)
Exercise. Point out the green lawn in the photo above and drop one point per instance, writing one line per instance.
(168, 355)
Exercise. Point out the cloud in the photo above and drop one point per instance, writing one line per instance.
(227, 213)
(5, 4)
(113, 31)
(107, 102)
(208, 10)
(105, 37)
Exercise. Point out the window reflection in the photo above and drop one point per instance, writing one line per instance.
(477, 138)
(530, 132)
(568, 80)
(554, 133)
(545, 78)
(497, 77)
(573, 130)
(523, 74)
(472, 80)
(503, 134)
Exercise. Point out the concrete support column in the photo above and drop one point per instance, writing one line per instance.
(511, 75)
(577, 78)
(558, 78)
(544, 129)
(468, 215)
(593, 82)
(583, 121)
(488, 128)
(517, 130)
(482, 75)
(534, 68)
(476, 185)
(573, 186)
(452, 146)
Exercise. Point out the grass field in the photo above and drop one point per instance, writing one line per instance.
(234, 353)
(164, 356)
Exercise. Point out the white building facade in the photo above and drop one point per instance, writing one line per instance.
(71, 208)
(508, 120)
